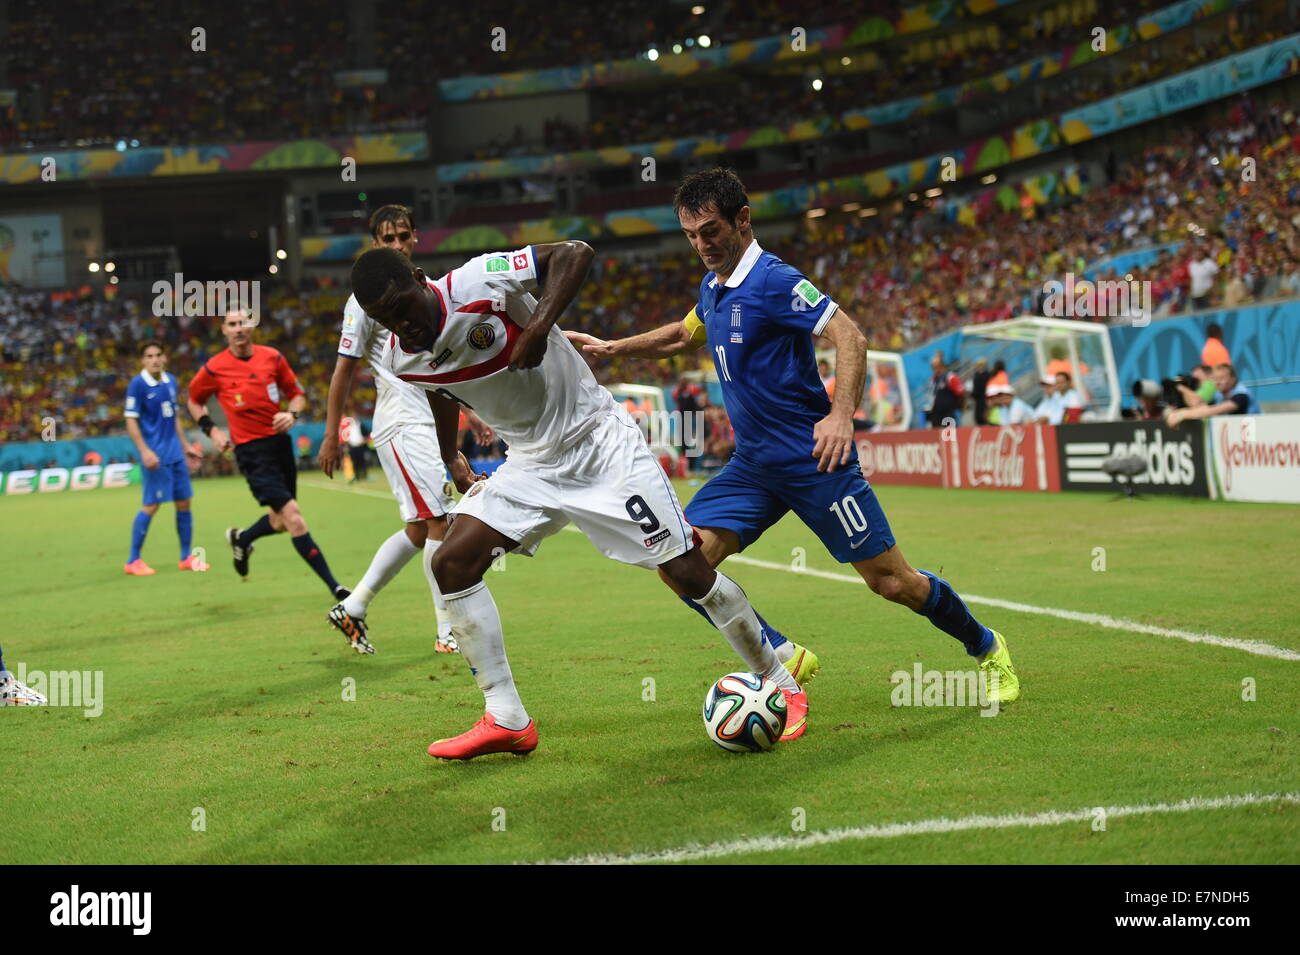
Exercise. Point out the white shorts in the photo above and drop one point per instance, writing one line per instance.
(608, 484)
(413, 465)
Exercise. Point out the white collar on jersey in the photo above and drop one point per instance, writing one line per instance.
(743, 266)
(150, 380)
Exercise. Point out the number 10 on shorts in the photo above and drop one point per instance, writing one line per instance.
(850, 514)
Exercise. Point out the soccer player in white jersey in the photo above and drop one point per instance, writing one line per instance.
(477, 337)
(407, 445)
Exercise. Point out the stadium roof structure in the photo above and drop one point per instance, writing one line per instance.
(1035, 348)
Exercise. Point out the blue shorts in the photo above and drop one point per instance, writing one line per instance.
(167, 482)
(838, 506)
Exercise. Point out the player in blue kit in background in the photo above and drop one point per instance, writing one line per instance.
(155, 428)
(794, 447)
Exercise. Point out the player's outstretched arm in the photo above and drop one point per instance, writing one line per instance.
(833, 435)
(661, 343)
(561, 268)
(345, 368)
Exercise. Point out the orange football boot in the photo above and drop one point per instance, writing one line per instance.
(138, 568)
(486, 737)
(796, 720)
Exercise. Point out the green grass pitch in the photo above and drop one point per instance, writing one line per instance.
(228, 697)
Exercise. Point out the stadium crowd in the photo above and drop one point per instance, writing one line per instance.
(739, 100)
(96, 72)
(137, 79)
(910, 273)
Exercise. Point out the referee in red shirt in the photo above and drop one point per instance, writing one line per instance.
(249, 382)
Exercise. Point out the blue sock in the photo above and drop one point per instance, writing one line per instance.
(949, 613)
(3, 671)
(185, 531)
(773, 636)
(138, 530)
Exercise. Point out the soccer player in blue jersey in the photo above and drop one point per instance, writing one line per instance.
(794, 446)
(155, 428)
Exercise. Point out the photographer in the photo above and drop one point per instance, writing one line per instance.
(1230, 397)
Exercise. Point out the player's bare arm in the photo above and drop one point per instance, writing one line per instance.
(147, 457)
(446, 418)
(663, 342)
(481, 430)
(345, 367)
(561, 268)
(219, 438)
(833, 435)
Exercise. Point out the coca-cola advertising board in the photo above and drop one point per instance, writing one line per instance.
(1021, 458)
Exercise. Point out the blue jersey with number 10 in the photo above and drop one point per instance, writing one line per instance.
(153, 402)
(760, 325)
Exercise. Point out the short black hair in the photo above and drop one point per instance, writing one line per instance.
(152, 343)
(719, 186)
(390, 213)
(1214, 330)
(377, 271)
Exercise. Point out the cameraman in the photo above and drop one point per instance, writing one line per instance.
(1230, 397)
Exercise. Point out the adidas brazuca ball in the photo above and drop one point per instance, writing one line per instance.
(744, 713)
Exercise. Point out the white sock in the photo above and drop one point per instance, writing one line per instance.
(439, 604)
(393, 554)
(785, 651)
(473, 614)
(729, 609)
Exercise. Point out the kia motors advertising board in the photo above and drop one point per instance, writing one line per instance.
(1004, 459)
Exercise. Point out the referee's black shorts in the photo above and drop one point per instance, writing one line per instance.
(268, 466)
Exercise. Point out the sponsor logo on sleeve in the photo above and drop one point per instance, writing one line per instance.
(498, 264)
(808, 292)
(521, 260)
(347, 343)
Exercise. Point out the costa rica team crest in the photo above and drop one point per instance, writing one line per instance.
(481, 336)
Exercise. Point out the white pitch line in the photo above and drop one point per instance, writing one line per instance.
(1256, 647)
(717, 850)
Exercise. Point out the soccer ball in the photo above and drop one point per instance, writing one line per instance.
(744, 713)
